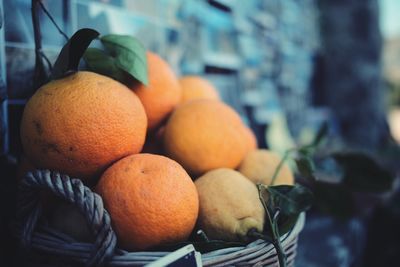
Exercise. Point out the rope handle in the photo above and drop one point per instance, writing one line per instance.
(72, 190)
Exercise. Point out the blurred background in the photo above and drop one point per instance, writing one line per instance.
(287, 66)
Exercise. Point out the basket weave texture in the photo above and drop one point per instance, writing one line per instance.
(39, 239)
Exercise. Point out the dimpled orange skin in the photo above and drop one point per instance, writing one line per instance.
(81, 124)
(251, 139)
(205, 134)
(163, 92)
(195, 87)
(259, 166)
(151, 200)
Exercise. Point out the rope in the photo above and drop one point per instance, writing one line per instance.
(73, 191)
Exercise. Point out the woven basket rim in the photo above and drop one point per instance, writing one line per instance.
(220, 256)
(49, 241)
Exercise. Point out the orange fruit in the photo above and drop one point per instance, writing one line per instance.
(203, 135)
(151, 200)
(260, 165)
(250, 138)
(81, 124)
(162, 94)
(195, 87)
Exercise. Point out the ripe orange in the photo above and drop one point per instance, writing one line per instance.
(205, 134)
(251, 139)
(162, 94)
(195, 87)
(259, 166)
(151, 200)
(81, 124)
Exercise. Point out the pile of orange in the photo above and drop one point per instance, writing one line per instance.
(140, 147)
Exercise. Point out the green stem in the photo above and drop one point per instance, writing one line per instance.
(279, 167)
(252, 233)
(273, 223)
(264, 203)
(277, 241)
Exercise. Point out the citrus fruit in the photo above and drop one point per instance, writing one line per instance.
(260, 165)
(250, 138)
(195, 87)
(203, 135)
(151, 200)
(80, 124)
(229, 205)
(163, 92)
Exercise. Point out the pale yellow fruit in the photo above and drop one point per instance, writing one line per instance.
(259, 166)
(229, 205)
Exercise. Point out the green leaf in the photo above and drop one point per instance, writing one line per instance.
(363, 174)
(286, 223)
(305, 166)
(321, 134)
(328, 170)
(271, 231)
(334, 199)
(291, 200)
(309, 150)
(72, 52)
(129, 54)
(306, 151)
(98, 61)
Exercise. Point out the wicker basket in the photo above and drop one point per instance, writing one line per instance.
(58, 249)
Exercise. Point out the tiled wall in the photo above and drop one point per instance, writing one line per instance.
(253, 49)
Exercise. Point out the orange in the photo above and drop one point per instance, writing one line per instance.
(162, 94)
(205, 134)
(151, 200)
(251, 139)
(81, 124)
(260, 165)
(195, 87)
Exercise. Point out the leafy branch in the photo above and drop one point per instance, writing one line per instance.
(273, 224)
(41, 74)
(71, 53)
(303, 155)
(337, 174)
(53, 20)
(280, 165)
(122, 59)
(282, 204)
